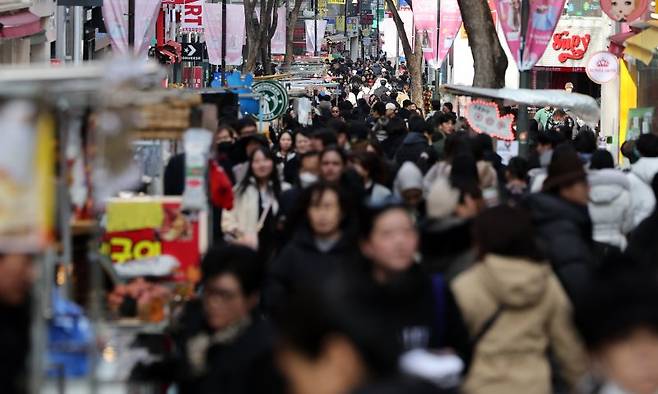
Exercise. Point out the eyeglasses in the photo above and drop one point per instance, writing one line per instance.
(217, 294)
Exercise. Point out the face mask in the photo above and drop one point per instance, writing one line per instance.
(306, 179)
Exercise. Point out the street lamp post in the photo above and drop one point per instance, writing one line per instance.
(522, 121)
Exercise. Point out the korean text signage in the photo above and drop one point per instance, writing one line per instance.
(153, 237)
(602, 67)
(192, 16)
(543, 18)
(274, 99)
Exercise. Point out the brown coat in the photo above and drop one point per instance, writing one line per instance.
(511, 357)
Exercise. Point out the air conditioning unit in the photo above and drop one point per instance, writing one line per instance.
(11, 5)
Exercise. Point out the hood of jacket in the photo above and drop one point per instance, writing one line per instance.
(515, 282)
(546, 208)
(415, 138)
(645, 169)
(606, 185)
(409, 177)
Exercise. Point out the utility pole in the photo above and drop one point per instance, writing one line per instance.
(378, 36)
(131, 23)
(437, 74)
(522, 121)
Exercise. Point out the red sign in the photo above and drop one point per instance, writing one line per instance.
(192, 17)
(146, 247)
(573, 47)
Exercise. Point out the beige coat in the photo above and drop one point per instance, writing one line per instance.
(511, 357)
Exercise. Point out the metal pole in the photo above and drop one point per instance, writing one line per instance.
(223, 42)
(522, 121)
(315, 22)
(345, 22)
(437, 74)
(77, 33)
(131, 23)
(378, 36)
(60, 44)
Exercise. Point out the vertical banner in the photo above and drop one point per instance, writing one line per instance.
(212, 23)
(542, 20)
(115, 15)
(192, 16)
(450, 22)
(392, 43)
(279, 40)
(425, 22)
(310, 34)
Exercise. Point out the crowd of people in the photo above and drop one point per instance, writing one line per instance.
(387, 250)
(384, 250)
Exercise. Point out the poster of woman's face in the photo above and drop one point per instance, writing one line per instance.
(624, 10)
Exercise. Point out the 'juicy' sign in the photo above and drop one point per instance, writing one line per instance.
(573, 47)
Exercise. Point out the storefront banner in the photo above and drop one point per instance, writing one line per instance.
(192, 16)
(450, 22)
(115, 15)
(212, 17)
(151, 236)
(310, 34)
(573, 43)
(390, 30)
(625, 11)
(543, 18)
(425, 23)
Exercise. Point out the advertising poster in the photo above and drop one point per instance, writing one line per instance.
(425, 22)
(115, 15)
(149, 236)
(543, 18)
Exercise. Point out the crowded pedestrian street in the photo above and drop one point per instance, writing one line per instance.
(328, 197)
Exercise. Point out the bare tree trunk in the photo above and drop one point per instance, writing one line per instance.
(414, 56)
(416, 73)
(490, 61)
(257, 32)
(292, 22)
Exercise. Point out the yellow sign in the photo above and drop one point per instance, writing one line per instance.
(336, 2)
(133, 215)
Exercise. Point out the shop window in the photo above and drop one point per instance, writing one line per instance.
(582, 8)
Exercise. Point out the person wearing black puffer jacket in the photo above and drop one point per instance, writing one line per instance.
(322, 242)
(415, 146)
(562, 219)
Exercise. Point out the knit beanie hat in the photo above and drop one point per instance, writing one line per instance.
(565, 168)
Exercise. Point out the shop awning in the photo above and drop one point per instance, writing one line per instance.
(19, 24)
(582, 105)
(643, 45)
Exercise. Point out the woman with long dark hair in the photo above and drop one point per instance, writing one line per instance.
(251, 221)
(323, 239)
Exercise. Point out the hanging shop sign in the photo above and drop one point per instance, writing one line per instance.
(484, 118)
(624, 10)
(602, 67)
(192, 16)
(193, 52)
(542, 20)
(151, 236)
(573, 43)
(275, 99)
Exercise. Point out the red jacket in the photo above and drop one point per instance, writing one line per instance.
(221, 189)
